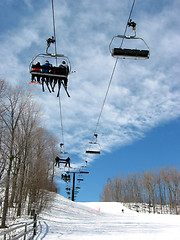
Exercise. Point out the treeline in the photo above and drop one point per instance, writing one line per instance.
(159, 190)
(27, 151)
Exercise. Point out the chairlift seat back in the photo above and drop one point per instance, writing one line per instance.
(80, 179)
(130, 53)
(93, 152)
(48, 70)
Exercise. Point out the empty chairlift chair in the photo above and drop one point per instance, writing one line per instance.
(129, 52)
(93, 147)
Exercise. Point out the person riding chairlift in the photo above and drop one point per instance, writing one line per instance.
(65, 71)
(36, 68)
(59, 160)
(46, 69)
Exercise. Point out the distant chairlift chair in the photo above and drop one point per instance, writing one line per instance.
(93, 147)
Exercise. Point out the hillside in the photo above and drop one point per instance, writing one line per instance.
(69, 220)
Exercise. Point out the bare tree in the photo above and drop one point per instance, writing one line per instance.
(12, 109)
(26, 167)
(154, 188)
(2, 129)
(107, 192)
(28, 126)
(175, 187)
(149, 181)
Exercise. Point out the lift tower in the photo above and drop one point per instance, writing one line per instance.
(74, 179)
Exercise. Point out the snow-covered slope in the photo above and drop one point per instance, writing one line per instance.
(115, 208)
(69, 220)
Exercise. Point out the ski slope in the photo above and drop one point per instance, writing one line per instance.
(69, 220)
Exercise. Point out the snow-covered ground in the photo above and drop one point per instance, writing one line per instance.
(69, 220)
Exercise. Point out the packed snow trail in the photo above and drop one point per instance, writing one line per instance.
(69, 220)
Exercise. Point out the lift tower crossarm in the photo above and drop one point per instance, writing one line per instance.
(74, 177)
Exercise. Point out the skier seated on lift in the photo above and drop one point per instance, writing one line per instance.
(66, 177)
(36, 68)
(64, 70)
(46, 69)
(60, 160)
(46, 64)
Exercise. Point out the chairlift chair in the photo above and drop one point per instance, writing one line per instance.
(80, 179)
(93, 147)
(85, 165)
(46, 72)
(52, 58)
(127, 52)
(62, 159)
(63, 154)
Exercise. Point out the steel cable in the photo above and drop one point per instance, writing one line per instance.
(110, 81)
(60, 108)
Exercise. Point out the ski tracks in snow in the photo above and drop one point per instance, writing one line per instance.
(68, 220)
(42, 230)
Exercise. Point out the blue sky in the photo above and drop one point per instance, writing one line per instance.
(140, 123)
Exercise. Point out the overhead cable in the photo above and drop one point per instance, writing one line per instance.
(115, 64)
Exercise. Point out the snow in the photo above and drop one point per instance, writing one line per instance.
(69, 220)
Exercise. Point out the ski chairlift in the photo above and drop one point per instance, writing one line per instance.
(66, 177)
(80, 179)
(85, 164)
(125, 53)
(63, 154)
(93, 147)
(50, 74)
(63, 158)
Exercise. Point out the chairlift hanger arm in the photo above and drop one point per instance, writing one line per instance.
(49, 41)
